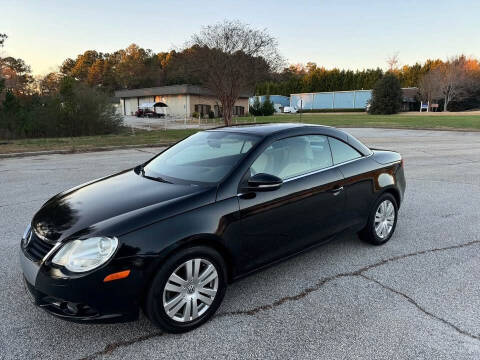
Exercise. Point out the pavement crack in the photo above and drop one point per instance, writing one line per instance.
(324, 281)
(109, 348)
(422, 309)
(417, 253)
(285, 299)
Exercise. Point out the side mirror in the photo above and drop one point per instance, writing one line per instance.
(264, 182)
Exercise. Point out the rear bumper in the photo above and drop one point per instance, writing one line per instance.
(401, 183)
(85, 299)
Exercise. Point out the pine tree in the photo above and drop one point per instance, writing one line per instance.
(386, 96)
(256, 107)
(267, 107)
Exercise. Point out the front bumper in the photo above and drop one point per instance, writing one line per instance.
(84, 298)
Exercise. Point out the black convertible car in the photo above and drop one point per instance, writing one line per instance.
(170, 234)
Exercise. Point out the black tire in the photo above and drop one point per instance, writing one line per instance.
(154, 307)
(368, 233)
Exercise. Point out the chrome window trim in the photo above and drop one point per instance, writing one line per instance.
(327, 168)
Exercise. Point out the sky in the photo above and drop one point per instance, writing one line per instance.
(349, 34)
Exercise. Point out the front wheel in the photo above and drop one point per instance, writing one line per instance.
(382, 221)
(187, 290)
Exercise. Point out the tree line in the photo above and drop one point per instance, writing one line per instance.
(313, 78)
(72, 109)
(454, 82)
(136, 67)
(229, 58)
(130, 68)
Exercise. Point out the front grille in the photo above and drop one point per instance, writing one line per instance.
(37, 248)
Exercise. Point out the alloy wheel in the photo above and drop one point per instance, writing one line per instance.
(384, 219)
(190, 290)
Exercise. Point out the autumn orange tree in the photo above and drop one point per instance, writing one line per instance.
(17, 75)
(128, 68)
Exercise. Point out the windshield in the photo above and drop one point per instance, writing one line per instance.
(204, 158)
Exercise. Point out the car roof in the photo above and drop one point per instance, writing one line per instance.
(280, 129)
(266, 129)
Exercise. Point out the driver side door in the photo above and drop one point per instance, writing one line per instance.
(305, 210)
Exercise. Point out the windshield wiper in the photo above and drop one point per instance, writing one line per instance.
(157, 178)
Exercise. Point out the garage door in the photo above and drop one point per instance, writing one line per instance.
(146, 99)
(131, 105)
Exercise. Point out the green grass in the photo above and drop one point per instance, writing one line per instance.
(448, 122)
(156, 137)
(125, 137)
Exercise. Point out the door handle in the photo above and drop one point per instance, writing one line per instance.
(336, 190)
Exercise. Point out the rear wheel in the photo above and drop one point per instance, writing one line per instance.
(382, 221)
(187, 290)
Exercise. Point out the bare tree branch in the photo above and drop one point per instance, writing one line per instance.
(449, 81)
(3, 37)
(430, 87)
(453, 80)
(393, 61)
(229, 58)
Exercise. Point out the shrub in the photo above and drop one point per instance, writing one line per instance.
(264, 108)
(267, 107)
(211, 114)
(468, 103)
(386, 96)
(76, 110)
(256, 108)
(195, 114)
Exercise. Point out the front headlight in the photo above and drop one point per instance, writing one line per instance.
(85, 255)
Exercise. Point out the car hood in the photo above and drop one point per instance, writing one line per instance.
(114, 205)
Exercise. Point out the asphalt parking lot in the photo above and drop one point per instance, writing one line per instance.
(417, 297)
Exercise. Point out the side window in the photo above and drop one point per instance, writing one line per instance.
(294, 156)
(342, 152)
